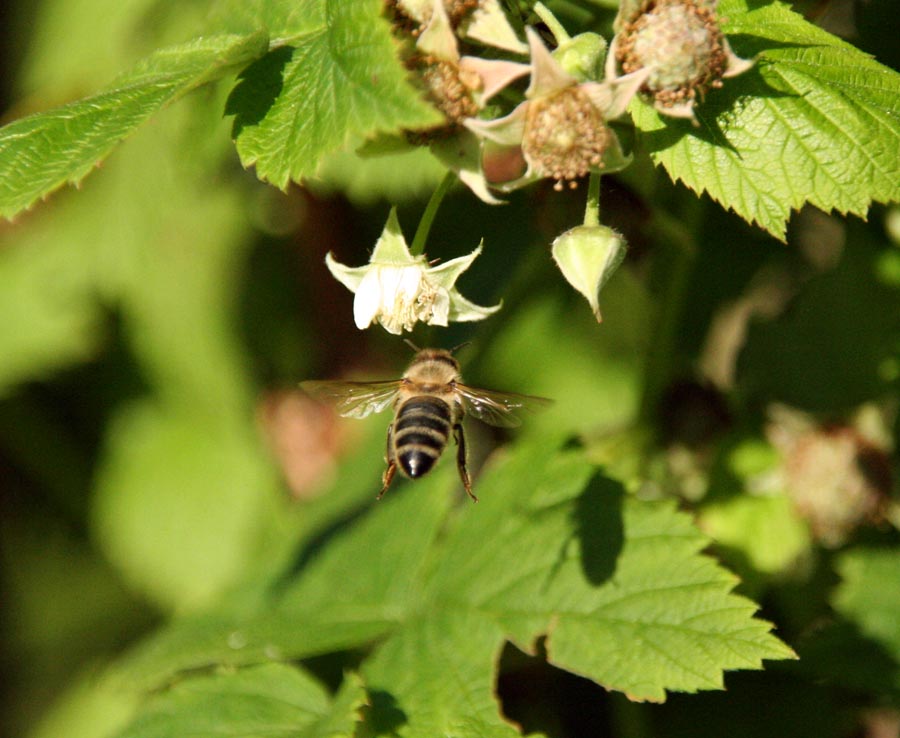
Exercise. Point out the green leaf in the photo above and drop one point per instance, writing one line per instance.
(448, 693)
(42, 152)
(355, 589)
(324, 85)
(624, 595)
(869, 594)
(815, 121)
(270, 700)
(618, 587)
(284, 19)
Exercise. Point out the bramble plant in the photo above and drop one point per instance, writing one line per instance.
(724, 441)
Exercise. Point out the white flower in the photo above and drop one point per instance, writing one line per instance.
(397, 289)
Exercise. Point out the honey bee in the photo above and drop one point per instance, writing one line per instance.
(429, 403)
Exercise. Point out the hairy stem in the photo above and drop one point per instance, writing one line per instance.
(592, 208)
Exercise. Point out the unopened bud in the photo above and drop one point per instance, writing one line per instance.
(582, 56)
(587, 256)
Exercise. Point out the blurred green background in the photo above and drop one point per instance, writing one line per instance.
(154, 452)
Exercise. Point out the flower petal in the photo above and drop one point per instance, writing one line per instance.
(489, 25)
(476, 182)
(611, 97)
(507, 130)
(447, 273)
(736, 65)
(462, 310)
(440, 309)
(437, 38)
(416, 9)
(500, 164)
(350, 277)
(547, 76)
(678, 110)
(367, 303)
(494, 74)
(462, 154)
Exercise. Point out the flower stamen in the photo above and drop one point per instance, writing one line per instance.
(565, 136)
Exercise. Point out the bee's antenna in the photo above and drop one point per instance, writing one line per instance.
(411, 345)
(458, 347)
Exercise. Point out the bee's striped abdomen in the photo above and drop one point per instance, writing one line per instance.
(420, 434)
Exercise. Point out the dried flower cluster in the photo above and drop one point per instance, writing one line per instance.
(682, 45)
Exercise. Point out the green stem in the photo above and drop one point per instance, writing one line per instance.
(556, 28)
(592, 208)
(418, 244)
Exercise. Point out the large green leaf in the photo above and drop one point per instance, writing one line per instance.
(269, 700)
(619, 588)
(42, 152)
(324, 84)
(815, 121)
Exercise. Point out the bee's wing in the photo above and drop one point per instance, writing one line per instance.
(498, 408)
(354, 399)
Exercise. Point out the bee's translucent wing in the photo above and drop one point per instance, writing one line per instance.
(498, 408)
(354, 399)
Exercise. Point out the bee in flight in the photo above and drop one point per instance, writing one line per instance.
(429, 402)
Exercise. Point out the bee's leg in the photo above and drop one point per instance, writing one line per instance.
(391, 464)
(461, 460)
(386, 478)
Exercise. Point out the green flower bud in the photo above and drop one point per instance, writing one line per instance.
(583, 56)
(587, 256)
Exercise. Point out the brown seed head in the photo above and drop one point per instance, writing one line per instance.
(565, 135)
(681, 39)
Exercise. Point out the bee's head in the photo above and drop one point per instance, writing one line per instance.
(438, 365)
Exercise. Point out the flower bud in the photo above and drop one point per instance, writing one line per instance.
(582, 56)
(587, 256)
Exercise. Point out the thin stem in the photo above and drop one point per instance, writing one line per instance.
(556, 28)
(418, 244)
(592, 208)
